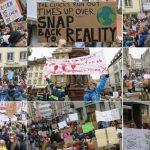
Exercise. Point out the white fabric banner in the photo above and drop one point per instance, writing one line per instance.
(10, 11)
(62, 124)
(91, 64)
(109, 115)
(136, 139)
(73, 117)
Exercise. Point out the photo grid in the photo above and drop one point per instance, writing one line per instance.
(74, 75)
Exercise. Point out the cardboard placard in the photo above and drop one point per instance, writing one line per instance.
(19, 25)
(62, 124)
(101, 137)
(112, 135)
(54, 126)
(10, 11)
(11, 109)
(68, 140)
(77, 21)
(66, 130)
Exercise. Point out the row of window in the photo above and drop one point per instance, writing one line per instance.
(30, 75)
(37, 82)
(36, 68)
(11, 56)
(129, 3)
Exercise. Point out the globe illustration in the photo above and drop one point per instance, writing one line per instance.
(106, 16)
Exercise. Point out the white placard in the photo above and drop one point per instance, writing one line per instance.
(109, 115)
(146, 76)
(136, 139)
(10, 11)
(62, 124)
(73, 117)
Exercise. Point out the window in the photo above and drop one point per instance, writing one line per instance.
(35, 81)
(36, 74)
(40, 82)
(41, 74)
(128, 3)
(10, 56)
(0, 57)
(37, 68)
(23, 55)
(29, 82)
(148, 1)
(30, 75)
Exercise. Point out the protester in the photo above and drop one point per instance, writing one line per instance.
(92, 93)
(13, 85)
(136, 31)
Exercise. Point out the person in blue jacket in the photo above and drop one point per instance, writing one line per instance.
(92, 93)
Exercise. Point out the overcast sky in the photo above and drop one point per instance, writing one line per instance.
(137, 52)
(109, 54)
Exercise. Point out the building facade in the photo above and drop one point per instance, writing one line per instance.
(115, 70)
(145, 58)
(13, 58)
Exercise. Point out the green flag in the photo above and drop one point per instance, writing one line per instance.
(87, 127)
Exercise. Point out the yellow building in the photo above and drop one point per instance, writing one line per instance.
(132, 7)
(13, 58)
(35, 75)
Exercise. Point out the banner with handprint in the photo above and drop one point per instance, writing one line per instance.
(136, 139)
(91, 64)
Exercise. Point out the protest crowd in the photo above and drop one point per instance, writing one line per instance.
(136, 32)
(13, 84)
(136, 82)
(74, 135)
(13, 136)
(14, 33)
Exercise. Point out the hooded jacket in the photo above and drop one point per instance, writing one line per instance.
(94, 94)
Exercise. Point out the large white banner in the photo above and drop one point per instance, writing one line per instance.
(109, 115)
(73, 117)
(62, 124)
(91, 64)
(136, 139)
(10, 11)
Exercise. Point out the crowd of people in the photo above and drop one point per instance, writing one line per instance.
(13, 136)
(136, 80)
(10, 37)
(54, 139)
(13, 85)
(136, 31)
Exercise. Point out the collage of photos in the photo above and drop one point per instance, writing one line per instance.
(75, 75)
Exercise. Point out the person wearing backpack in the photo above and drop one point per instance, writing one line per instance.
(92, 93)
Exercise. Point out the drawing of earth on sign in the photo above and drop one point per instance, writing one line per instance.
(133, 142)
(106, 16)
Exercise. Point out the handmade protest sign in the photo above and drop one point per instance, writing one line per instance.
(101, 138)
(11, 109)
(112, 135)
(77, 21)
(68, 140)
(62, 124)
(146, 76)
(87, 127)
(91, 64)
(10, 11)
(73, 117)
(19, 25)
(109, 115)
(136, 139)
(54, 126)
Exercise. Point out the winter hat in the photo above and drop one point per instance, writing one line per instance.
(14, 37)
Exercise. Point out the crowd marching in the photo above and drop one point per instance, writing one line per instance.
(13, 136)
(55, 139)
(13, 84)
(136, 31)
